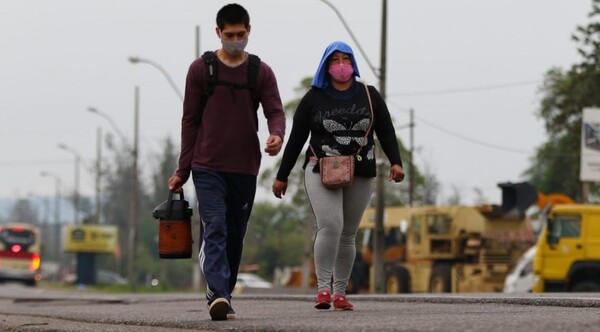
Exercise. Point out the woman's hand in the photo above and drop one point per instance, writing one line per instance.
(279, 188)
(396, 173)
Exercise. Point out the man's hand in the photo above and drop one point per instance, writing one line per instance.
(175, 184)
(274, 144)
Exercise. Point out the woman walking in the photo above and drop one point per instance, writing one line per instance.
(340, 115)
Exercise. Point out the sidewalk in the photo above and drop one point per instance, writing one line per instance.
(35, 309)
(576, 300)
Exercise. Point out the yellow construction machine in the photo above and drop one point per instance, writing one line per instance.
(442, 249)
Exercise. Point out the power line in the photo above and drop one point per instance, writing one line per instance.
(33, 162)
(465, 138)
(482, 143)
(467, 89)
(472, 140)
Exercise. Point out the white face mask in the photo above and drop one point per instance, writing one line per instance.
(234, 47)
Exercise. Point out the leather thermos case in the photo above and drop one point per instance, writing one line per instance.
(175, 227)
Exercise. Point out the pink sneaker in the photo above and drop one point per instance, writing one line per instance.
(340, 303)
(323, 300)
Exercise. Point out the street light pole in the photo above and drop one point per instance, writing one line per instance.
(197, 41)
(98, 174)
(378, 244)
(86, 262)
(56, 212)
(112, 124)
(56, 195)
(364, 54)
(76, 185)
(134, 210)
(136, 59)
(196, 277)
(411, 170)
(135, 190)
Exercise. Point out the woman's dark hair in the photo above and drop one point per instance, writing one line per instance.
(232, 14)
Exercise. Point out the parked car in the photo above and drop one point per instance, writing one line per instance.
(104, 277)
(249, 280)
(520, 278)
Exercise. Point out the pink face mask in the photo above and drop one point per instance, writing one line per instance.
(341, 72)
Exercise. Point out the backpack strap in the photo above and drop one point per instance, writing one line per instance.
(212, 80)
(253, 66)
(210, 61)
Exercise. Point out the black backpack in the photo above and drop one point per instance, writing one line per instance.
(209, 59)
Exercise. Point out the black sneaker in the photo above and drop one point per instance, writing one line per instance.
(231, 314)
(218, 309)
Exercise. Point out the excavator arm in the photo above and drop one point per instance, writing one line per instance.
(545, 200)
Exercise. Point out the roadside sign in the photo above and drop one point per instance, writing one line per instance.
(91, 238)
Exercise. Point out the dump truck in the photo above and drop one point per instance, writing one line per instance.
(442, 249)
(521, 279)
(568, 250)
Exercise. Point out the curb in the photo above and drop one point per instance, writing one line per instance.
(582, 300)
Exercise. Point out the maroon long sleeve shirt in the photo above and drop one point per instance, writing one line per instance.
(226, 139)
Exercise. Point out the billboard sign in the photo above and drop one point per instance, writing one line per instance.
(101, 239)
(590, 145)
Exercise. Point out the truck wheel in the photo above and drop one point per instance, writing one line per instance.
(397, 281)
(354, 284)
(359, 276)
(30, 283)
(586, 286)
(440, 279)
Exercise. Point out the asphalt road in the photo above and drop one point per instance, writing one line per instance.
(35, 309)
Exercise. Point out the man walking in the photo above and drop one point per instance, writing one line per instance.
(221, 148)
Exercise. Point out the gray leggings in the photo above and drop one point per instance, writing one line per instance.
(337, 213)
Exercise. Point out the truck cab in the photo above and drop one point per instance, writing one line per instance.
(568, 250)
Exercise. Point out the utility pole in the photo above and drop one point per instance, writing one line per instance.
(197, 277)
(378, 270)
(57, 223)
(134, 209)
(76, 183)
(56, 254)
(197, 41)
(77, 198)
(378, 248)
(98, 173)
(411, 165)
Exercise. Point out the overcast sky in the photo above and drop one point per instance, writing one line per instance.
(446, 60)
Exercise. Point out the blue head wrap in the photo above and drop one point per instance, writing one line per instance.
(321, 79)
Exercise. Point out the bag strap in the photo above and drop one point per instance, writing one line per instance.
(364, 140)
(212, 80)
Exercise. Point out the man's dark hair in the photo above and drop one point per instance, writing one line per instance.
(232, 14)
